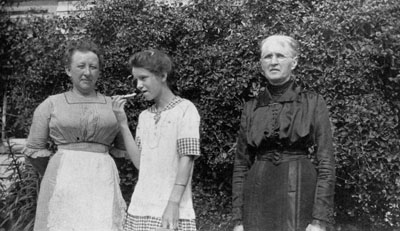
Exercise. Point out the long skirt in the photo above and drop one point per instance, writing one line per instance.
(279, 197)
(80, 191)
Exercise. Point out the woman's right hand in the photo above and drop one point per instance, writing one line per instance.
(118, 104)
(238, 228)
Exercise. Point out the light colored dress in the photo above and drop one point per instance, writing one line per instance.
(80, 188)
(162, 139)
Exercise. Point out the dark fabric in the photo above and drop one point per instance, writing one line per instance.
(297, 121)
(277, 156)
(276, 197)
(277, 90)
(39, 163)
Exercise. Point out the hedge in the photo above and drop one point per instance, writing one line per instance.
(349, 54)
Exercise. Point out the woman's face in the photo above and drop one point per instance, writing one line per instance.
(149, 83)
(277, 61)
(84, 71)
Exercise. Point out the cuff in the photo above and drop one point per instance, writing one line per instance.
(34, 153)
(326, 216)
(118, 153)
(237, 216)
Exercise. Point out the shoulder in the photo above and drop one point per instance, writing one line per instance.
(250, 104)
(54, 99)
(49, 103)
(305, 91)
(186, 106)
(312, 96)
(309, 94)
(313, 101)
(185, 103)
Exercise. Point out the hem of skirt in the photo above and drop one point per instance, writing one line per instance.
(149, 223)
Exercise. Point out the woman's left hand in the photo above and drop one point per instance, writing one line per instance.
(312, 227)
(118, 104)
(170, 217)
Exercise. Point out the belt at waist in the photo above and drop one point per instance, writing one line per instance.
(277, 157)
(85, 146)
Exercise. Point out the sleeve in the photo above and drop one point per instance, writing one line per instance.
(242, 164)
(36, 145)
(325, 188)
(118, 148)
(188, 142)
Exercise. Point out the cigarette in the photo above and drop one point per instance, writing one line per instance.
(129, 96)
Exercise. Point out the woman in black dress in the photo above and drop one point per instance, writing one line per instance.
(276, 186)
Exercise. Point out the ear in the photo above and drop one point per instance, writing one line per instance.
(294, 63)
(68, 71)
(164, 77)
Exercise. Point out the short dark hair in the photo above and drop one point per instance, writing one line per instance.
(83, 46)
(155, 61)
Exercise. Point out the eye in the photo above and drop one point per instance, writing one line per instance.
(268, 56)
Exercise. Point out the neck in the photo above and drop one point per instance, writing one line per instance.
(84, 94)
(280, 82)
(277, 90)
(165, 98)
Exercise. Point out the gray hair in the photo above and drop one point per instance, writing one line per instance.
(293, 43)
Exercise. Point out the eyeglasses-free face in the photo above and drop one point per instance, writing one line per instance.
(149, 84)
(84, 71)
(277, 61)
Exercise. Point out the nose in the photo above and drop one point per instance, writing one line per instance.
(139, 84)
(86, 71)
(274, 59)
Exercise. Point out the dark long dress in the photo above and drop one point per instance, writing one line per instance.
(276, 186)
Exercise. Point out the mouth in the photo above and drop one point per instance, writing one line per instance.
(274, 70)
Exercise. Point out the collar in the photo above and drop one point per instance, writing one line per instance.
(291, 94)
(73, 98)
(170, 105)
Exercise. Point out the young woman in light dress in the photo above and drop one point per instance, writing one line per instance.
(168, 139)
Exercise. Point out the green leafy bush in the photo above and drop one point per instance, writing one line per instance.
(349, 54)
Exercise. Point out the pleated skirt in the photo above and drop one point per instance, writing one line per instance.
(80, 191)
(279, 197)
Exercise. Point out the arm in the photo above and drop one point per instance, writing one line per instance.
(188, 148)
(35, 149)
(171, 214)
(132, 149)
(325, 188)
(242, 164)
